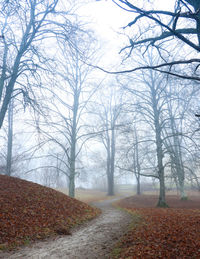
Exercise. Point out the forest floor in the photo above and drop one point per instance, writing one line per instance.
(29, 212)
(38, 222)
(92, 240)
(172, 232)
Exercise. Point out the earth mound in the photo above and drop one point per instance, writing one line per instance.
(29, 211)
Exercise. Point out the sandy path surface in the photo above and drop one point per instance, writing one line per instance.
(94, 239)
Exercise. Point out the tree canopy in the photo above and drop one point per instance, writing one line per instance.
(176, 24)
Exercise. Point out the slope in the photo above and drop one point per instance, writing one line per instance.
(29, 211)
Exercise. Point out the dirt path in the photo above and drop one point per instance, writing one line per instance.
(94, 239)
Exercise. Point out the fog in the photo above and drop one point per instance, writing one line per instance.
(73, 126)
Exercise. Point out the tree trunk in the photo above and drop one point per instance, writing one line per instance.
(161, 201)
(178, 162)
(182, 191)
(181, 181)
(72, 186)
(110, 185)
(10, 139)
(110, 175)
(159, 152)
(72, 172)
(112, 164)
(138, 185)
(72, 159)
(72, 169)
(137, 163)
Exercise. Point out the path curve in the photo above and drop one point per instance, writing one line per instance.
(93, 240)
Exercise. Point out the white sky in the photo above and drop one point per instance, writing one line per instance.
(107, 19)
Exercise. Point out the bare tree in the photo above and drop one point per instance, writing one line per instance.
(10, 139)
(66, 104)
(24, 26)
(164, 110)
(149, 91)
(136, 161)
(162, 30)
(178, 141)
(131, 158)
(15, 149)
(107, 111)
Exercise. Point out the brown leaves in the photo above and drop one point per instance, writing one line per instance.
(31, 211)
(162, 233)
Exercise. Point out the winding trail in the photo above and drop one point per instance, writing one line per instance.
(92, 240)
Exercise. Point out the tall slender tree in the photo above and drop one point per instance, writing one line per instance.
(24, 27)
(107, 111)
(68, 98)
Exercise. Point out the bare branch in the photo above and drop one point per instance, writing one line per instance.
(156, 67)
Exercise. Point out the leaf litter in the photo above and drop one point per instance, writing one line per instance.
(29, 211)
(161, 232)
